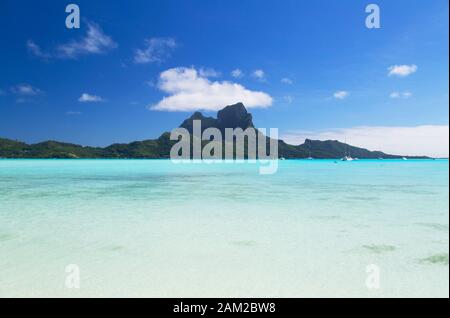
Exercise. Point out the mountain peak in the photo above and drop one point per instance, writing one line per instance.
(207, 122)
(231, 116)
(234, 116)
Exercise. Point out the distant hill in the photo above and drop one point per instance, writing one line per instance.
(232, 116)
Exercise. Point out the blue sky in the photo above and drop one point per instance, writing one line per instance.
(310, 68)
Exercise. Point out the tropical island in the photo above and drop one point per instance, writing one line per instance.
(232, 116)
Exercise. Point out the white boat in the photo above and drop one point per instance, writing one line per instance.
(404, 158)
(347, 156)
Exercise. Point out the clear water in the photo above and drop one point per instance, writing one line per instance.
(152, 228)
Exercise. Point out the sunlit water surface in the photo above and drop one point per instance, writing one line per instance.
(152, 228)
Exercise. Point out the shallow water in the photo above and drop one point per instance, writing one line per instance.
(158, 229)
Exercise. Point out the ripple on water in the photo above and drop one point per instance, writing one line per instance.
(435, 226)
(114, 248)
(380, 248)
(5, 237)
(441, 258)
(362, 198)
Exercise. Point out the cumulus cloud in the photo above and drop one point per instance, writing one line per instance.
(259, 74)
(340, 94)
(189, 91)
(286, 80)
(26, 90)
(209, 72)
(237, 73)
(95, 41)
(88, 98)
(403, 95)
(429, 140)
(402, 70)
(155, 50)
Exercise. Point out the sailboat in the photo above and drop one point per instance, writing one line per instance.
(347, 156)
(310, 158)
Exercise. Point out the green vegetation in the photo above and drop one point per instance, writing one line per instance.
(229, 117)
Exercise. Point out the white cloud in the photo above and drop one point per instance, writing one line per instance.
(155, 50)
(259, 74)
(26, 93)
(288, 99)
(340, 94)
(286, 80)
(429, 140)
(93, 42)
(150, 83)
(26, 90)
(22, 100)
(404, 95)
(208, 72)
(36, 50)
(189, 91)
(237, 73)
(88, 98)
(402, 70)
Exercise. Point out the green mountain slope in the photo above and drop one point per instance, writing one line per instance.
(232, 116)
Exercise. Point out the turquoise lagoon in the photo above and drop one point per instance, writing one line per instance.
(152, 228)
